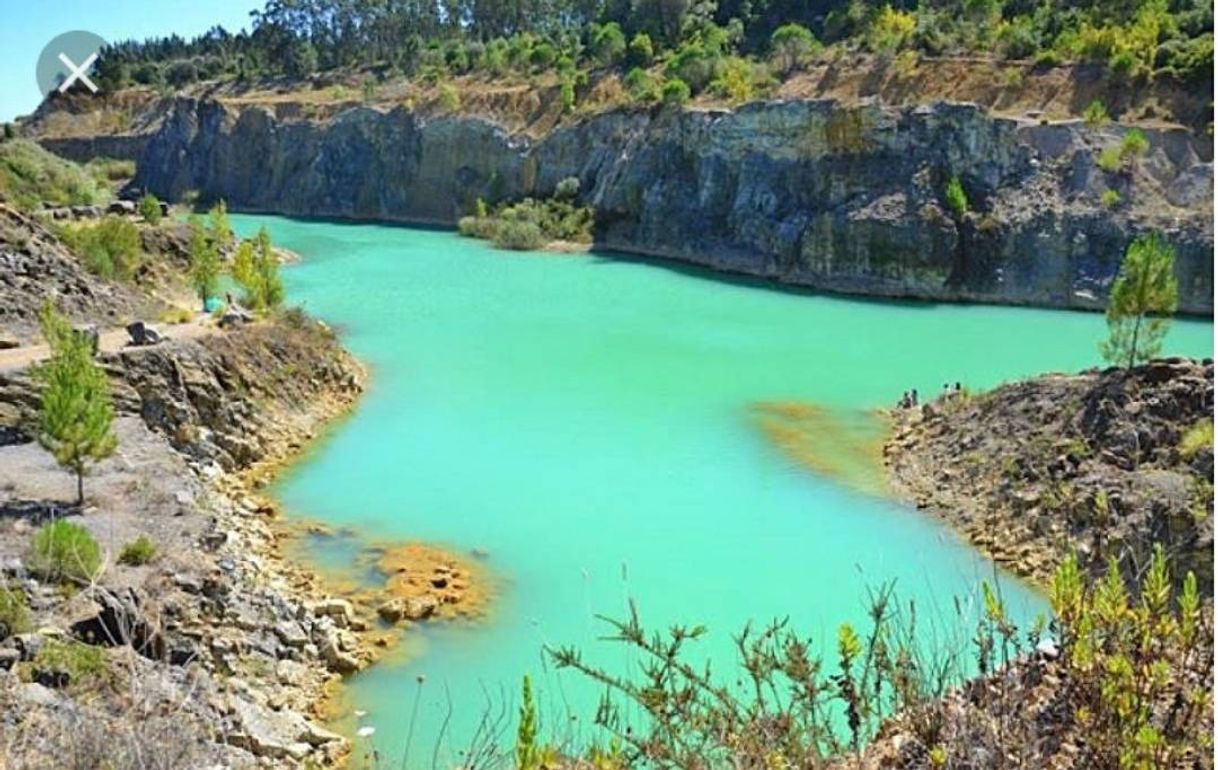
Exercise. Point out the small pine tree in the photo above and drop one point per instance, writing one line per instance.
(204, 262)
(257, 270)
(77, 415)
(150, 209)
(957, 201)
(1143, 298)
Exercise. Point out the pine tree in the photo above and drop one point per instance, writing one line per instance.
(77, 416)
(1143, 299)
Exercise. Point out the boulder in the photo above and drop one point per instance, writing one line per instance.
(122, 208)
(120, 621)
(266, 733)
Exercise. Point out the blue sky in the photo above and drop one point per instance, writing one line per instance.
(28, 25)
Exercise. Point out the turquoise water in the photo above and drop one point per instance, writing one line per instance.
(585, 422)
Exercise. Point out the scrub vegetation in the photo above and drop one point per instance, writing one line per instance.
(532, 224)
(732, 48)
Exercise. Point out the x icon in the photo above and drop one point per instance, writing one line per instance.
(77, 73)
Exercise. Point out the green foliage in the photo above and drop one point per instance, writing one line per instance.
(640, 53)
(642, 86)
(1142, 301)
(450, 100)
(1128, 655)
(219, 229)
(256, 268)
(150, 209)
(531, 224)
(675, 92)
(1109, 160)
(83, 664)
(791, 45)
(528, 753)
(891, 30)
(110, 247)
(29, 175)
(204, 258)
(1199, 436)
(139, 551)
(1110, 199)
(111, 169)
(1134, 144)
(607, 42)
(62, 550)
(1096, 114)
(956, 199)
(14, 612)
(76, 417)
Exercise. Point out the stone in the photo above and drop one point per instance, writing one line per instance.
(121, 207)
(266, 733)
(191, 584)
(9, 343)
(338, 610)
(392, 611)
(291, 634)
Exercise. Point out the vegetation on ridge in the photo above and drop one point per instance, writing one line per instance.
(731, 47)
(531, 224)
(1141, 303)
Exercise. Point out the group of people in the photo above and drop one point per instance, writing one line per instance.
(909, 399)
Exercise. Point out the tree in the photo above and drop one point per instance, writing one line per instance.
(1143, 298)
(204, 261)
(220, 229)
(256, 268)
(607, 42)
(790, 45)
(77, 414)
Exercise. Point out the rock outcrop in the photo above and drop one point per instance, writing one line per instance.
(813, 193)
(1096, 463)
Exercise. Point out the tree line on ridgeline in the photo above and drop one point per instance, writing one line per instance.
(699, 43)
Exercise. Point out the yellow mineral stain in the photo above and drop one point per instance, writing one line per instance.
(844, 445)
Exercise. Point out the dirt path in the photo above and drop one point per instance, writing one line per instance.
(110, 341)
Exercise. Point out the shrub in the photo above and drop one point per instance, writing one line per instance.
(111, 169)
(891, 30)
(29, 175)
(81, 664)
(1109, 160)
(1096, 114)
(675, 92)
(607, 42)
(450, 100)
(567, 188)
(957, 201)
(567, 95)
(519, 236)
(791, 45)
(1199, 436)
(1110, 199)
(1134, 144)
(641, 85)
(640, 52)
(14, 612)
(109, 248)
(256, 268)
(139, 551)
(150, 209)
(62, 550)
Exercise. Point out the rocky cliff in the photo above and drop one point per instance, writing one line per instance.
(814, 193)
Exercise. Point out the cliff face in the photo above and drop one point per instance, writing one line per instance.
(806, 192)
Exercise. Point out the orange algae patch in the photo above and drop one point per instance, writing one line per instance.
(844, 445)
(417, 570)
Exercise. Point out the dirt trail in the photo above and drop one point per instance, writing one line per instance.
(110, 341)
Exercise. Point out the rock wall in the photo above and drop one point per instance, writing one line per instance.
(813, 193)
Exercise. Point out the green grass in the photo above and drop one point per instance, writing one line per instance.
(29, 175)
(14, 613)
(85, 665)
(64, 551)
(139, 551)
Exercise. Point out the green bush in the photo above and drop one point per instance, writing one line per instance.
(450, 100)
(64, 551)
(110, 247)
(14, 612)
(957, 201)
(1109, 160)
(1134, 144)
(519, 236)
(150, 209)
(139, 551)
(1110, 199)
(111, 169)
(675, 92)
(641, 85)
(640, 52)
(607, 42)
(84, 665)
(1096, 114)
